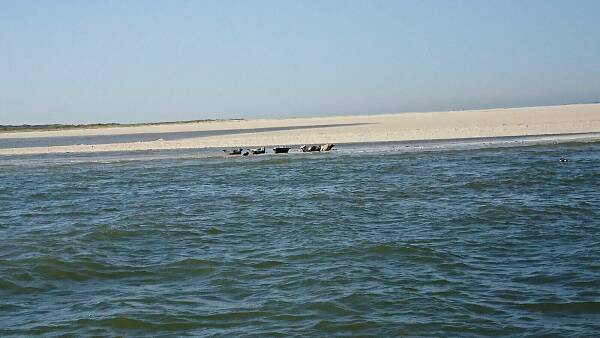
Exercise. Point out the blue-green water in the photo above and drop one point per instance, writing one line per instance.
(475, 242)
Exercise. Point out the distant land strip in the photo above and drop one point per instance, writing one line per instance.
(54, 127)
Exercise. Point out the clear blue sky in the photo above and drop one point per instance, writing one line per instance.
(124, 61)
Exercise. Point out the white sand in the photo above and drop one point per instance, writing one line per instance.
(583, 118)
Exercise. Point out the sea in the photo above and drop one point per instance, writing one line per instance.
(460, 239)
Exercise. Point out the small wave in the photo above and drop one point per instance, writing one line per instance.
(481, 309)
(388, 248)
(10, 307)
(110, 233)
(354, 326)
(267, 264)
(188, 267)
(586, 283)
(570, 307)
(192, 263)
(82, 274)
(541, 279)
(73, 213)
(214, 231)
(416, 253)
(332, 308)
(233, 316)
(12, 287)
(318, 197)
(53, 268)
(129, 324)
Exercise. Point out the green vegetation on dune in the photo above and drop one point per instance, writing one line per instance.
(53, 127)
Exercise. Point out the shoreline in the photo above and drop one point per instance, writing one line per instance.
(554, 122)
(408, 145)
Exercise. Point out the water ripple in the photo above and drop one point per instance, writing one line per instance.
(373, 243)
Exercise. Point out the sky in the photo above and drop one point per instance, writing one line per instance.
(141, 61)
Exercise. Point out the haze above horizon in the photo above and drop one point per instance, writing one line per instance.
(98, 62)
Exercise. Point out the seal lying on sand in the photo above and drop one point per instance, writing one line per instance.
(327, 146)
(233, 151)
(323, 147)
(307, 149)
(281, 150)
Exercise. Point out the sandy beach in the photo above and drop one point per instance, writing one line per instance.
(529, 121)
